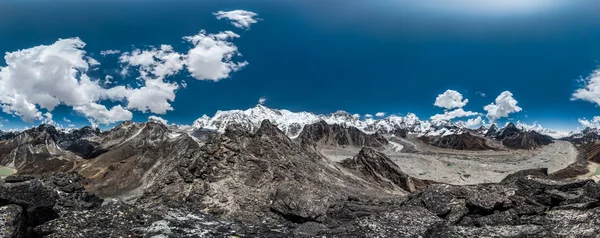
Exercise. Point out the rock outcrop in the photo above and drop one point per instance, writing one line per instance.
(526, 204)
(376, 167)
(339, 135)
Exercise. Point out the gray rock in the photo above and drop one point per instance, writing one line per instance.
(11, 221)
(300, 203)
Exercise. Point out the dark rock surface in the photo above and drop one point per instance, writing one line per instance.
(515, 138)
(526, 140)
(587, 136)
(11, 221)
(326, 134)
(492, 131)
(464, 141)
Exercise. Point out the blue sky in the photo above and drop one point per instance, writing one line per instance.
(321, 56)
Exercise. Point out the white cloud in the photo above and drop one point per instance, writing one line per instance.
(482, 94)
(48, 119)
(50, 75)
(211, 57)
(155, 63)
(92, 62)
(107, 80)
(591, 91)
(262, 100)
(356, 116)
(100, 114)
(449, 115)
(474, 122)
(450, 99)
(183, 84)
(239, 18)
(380, 114)
(154, 97)
(594, 123)
(157, 119)
(66, 120)
(109, 52)
(505, 104)
(368, 116)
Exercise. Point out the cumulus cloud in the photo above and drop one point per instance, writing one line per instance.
(504, 105)
(48, 119)
(449, 115)
(211, 58)
(66, 120)
(594, 123)
(110, 52)
(45, 76)
(155, 63)
(156, 96)
(368, 116)
(102, 115)
(380, 114)
(239, 18)
(450, 99)
(356, 116)
(262, 100)
(49, 75)
(474, 122)
(157, 119)
(591, 90)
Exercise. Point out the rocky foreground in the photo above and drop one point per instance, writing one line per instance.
(526, 204)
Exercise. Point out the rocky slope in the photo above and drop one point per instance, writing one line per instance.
(587, 135)
(525, 204)
(334, 135)
(378, 168)
(239, 173)
(464, 141)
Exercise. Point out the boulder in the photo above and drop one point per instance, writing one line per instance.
(11, 221)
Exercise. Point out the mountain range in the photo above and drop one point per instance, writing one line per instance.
(292, 122)
(287, 175)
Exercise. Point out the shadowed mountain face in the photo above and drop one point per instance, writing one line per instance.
(44, 149)
(326, 134)
(515, 138)
(588, 135)
(464, 141)
(527, 140)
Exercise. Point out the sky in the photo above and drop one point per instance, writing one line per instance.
(532, 61)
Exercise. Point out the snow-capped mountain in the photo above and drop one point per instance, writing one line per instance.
(556, 134)
(292, 122)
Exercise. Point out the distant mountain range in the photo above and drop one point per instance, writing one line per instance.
(292, 122)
